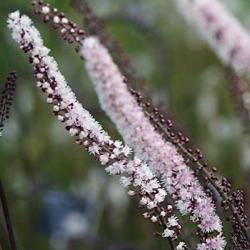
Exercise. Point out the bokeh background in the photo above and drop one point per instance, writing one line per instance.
(59, 197)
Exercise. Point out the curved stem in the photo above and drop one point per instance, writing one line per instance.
(7, 218)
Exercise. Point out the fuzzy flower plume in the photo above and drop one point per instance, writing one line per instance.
(220, 29)
(117, 158)
(162, 156)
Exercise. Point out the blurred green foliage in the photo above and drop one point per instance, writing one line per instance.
(37, 155)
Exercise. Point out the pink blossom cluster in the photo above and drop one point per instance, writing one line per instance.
(160, 155)
(220, 29)
(88, 132)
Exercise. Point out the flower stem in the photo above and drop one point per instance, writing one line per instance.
(7, 218)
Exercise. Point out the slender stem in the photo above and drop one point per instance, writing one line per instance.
(238, 88)
(7, 218)
(163, 224)
(171, 244)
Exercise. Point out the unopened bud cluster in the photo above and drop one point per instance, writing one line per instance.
(7, 98)
(68, 29)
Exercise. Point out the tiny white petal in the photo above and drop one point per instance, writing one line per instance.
(45, 9)
(56, 19)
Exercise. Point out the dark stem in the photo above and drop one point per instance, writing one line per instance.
(171, 244)
(238, 88)
(7, 217)
(164, 225)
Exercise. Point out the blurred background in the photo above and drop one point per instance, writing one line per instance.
(59, 197)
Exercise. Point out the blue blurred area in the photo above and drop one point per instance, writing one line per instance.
(57, 207)
(64, 217)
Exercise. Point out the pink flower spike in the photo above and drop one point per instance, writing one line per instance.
(220, 29)
(139, 134)
(79, 123)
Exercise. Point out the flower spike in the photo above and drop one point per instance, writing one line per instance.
(117, 158)
(162, 156)
(221, 30)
